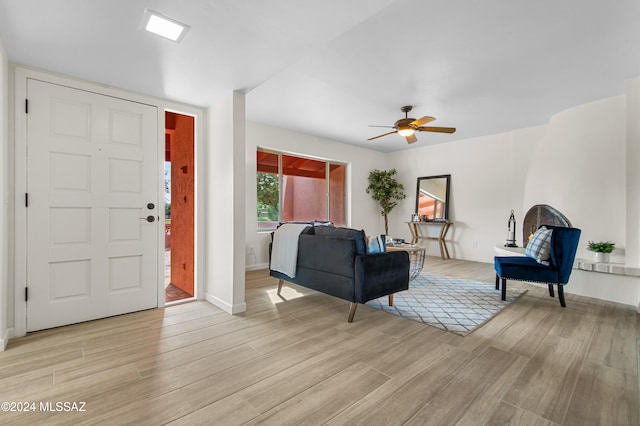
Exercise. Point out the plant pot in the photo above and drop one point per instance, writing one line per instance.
(600, 257)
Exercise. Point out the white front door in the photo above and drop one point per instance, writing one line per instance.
(92, 176)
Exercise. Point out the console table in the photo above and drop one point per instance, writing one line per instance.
(418, 234)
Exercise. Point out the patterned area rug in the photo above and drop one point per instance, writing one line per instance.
(450, 304)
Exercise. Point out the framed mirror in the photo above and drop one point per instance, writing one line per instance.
(432, 198)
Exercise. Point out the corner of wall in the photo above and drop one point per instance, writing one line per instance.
(632, 159)
(5, 303)
(8, 334)
(234, 309)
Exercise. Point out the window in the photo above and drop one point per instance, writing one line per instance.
(292, 188)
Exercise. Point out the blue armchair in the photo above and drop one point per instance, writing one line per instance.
(563, 246)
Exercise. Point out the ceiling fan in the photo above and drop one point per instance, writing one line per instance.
(408, 126)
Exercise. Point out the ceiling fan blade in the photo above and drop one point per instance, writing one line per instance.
(424, 120)
(390, 127)
(437, 129)
(411, 138)
(379, 136)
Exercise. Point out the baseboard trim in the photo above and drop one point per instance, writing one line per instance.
(231, 309)
(256, 267)
(8, 334)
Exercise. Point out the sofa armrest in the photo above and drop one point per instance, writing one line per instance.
(380, 274)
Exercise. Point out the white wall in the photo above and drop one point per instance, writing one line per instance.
(225, 203)
(4, 200)
(487, 175)
(576, 164)
(362, 212)
(579, 168)
(584, 162)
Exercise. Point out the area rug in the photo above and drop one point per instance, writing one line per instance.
(450, 304)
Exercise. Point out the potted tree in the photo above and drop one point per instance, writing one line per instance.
(386, 190)
(601, 250)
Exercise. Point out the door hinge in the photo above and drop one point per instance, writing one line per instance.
(26, 106)
(26, 199)
(26, 294)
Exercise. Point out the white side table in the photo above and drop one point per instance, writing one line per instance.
(501, 250)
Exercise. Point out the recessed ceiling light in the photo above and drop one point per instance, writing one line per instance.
(163, 26)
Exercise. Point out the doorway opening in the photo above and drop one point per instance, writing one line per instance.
(179, 197)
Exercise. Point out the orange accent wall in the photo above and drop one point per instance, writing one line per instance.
(337, 180)
(182, 200)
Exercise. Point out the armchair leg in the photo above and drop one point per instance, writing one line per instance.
(280, 286)
(391, 299)
(352, 311)
(497, 282)
(551, 290)
(561, 296)
(504, 289)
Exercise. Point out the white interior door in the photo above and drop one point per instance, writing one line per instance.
(92, 177)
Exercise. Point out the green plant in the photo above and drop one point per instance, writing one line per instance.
(268, 196)
(601, 246)
(386, 190)
(267, 187)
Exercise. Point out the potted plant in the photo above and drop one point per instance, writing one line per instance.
(386, 190)
(601, 250)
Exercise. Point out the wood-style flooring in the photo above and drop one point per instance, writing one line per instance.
(295, 360)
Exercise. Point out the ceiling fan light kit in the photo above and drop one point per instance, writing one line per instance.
(408, 126)
(405, 131)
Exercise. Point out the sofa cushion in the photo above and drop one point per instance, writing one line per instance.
(331, 254)
(524, 268)
(357, 235)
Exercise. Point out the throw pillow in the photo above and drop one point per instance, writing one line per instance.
(539, 247)
(322, 223)
(377, 244)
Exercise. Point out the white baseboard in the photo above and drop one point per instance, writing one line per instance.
(8, 334)
(231, 309)
(256, 266)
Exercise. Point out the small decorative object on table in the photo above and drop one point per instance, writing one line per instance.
(601, 250)
(511, 227)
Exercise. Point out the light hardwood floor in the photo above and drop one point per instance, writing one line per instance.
(295, 360)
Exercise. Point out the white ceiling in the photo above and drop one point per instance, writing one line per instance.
(330, 68)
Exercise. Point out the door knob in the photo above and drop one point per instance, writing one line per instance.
(149, 218)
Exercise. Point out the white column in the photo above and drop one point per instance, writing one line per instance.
(632, 244)
(6, 307)
(225, 204)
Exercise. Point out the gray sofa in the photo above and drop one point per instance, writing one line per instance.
(334, 260)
